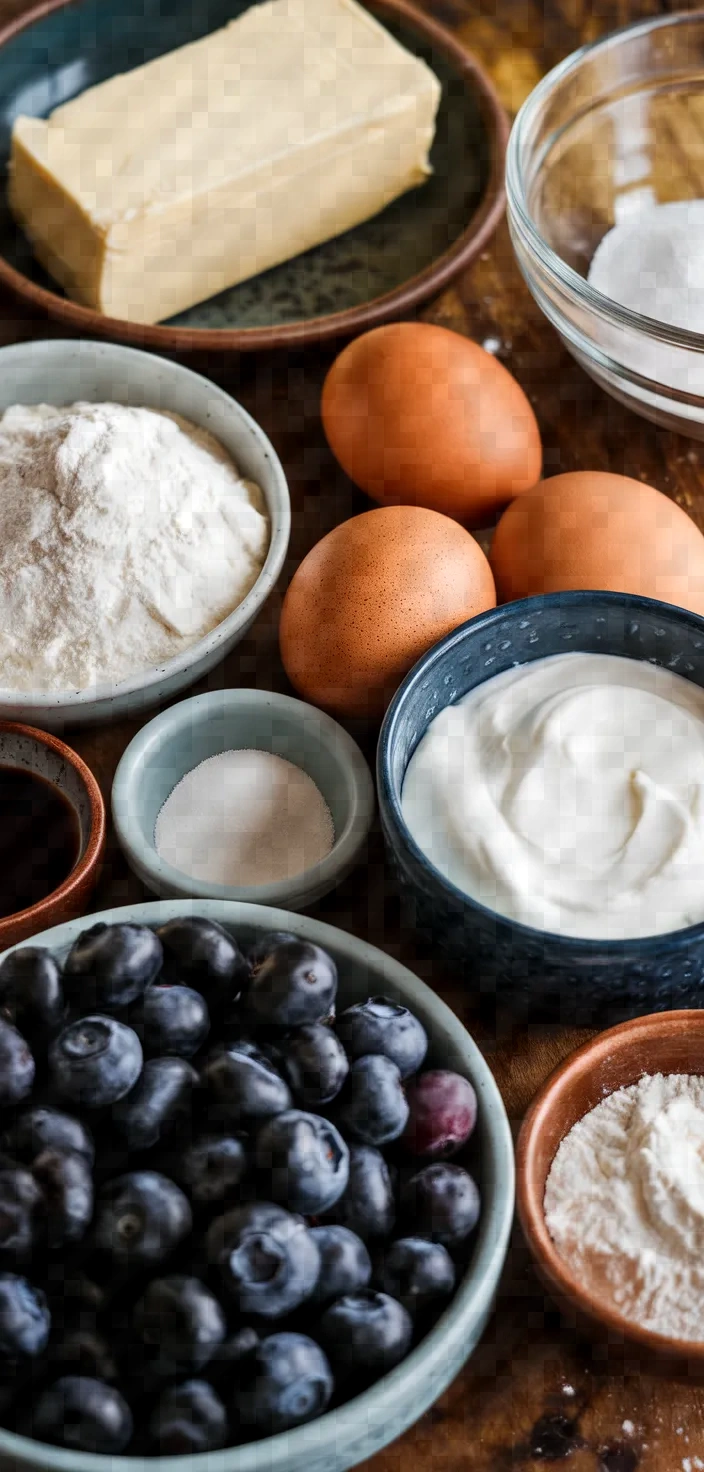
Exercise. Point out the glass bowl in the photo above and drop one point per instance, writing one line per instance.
(617, 127)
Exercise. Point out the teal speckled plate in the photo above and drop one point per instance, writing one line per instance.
(368, 275)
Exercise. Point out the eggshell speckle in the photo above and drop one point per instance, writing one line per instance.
(418, 415)
(371, 597)
(590, 529)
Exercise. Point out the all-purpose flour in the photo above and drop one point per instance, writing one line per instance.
(624, 1202)
(125, 536)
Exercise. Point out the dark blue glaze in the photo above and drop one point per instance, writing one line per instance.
(568, 979)
(85, 42)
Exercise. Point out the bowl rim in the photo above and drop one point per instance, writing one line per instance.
(315, 330)
(584, 948)
(157, 735)
(519, 213)
(529, 1197)
(279, 512)
(88, 861)
(474, 1295)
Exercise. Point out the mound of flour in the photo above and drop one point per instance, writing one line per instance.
(125, 535)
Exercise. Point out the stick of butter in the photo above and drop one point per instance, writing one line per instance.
(157, 189)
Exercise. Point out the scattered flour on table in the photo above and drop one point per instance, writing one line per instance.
(244, 817)
(624, 1202)
(126, 535)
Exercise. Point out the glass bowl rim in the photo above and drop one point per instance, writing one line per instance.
(570, 280)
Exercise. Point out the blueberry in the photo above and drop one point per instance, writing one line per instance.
(365, 1333)
(296, 983)
(16, 1066)
(96, 1061)
(384, 1027)
(189, 1418)
(82, 1414)
(141, 1217)
(441, 1202)
(442, 1114)
(159, 1102)
(25, 1320)
(420, 1274)
(266, 1258)
(67, 1184)
(345, 1264)
(179, 1324)
(200, 953)
(109, 966)
(372, 1107)
(31, 992)
(21, 1203)
(288, 1381)
(243, 1087)
(48, 1129)
(266, 944)
(173, 1020)
(83, 1351)
(303, 1162)
(367, 1205)
(315, 1064)
(213, 1167)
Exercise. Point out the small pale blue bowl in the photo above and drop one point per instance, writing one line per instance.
(563, 977)
(188, 733)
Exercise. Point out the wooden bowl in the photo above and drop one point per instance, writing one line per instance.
(671, 1042)
(37, 751)
(379, 271)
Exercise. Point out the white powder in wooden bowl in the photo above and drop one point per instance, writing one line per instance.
(244, 817)
(624, 1202)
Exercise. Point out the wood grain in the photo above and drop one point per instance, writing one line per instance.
(533, 1395)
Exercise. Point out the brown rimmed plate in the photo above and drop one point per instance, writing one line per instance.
(379, 271)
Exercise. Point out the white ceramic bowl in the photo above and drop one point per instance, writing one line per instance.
(60, 372)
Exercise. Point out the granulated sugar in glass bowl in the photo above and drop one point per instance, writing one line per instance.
(610, 134)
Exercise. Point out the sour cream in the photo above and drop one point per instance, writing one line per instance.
(568, 794)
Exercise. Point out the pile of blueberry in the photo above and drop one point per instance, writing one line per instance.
(222, 1209)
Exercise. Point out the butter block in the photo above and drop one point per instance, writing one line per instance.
(165, 185)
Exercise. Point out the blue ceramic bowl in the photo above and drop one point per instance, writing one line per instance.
(343, 1437)
(583, 981)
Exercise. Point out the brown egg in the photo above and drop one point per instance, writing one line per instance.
(589, 529)
(421, 416)
(371, 597)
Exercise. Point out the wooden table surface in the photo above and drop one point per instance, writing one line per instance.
(532, 1395)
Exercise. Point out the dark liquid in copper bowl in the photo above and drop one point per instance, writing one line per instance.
(39, 839)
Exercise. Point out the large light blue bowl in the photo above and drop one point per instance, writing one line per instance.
(343, 1437)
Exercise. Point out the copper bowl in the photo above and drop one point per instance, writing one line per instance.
(671, 1042)
(29, 749)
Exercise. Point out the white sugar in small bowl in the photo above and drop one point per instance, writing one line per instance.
(175, 742)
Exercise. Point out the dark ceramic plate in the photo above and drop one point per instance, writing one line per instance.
(369, 275)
